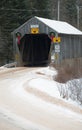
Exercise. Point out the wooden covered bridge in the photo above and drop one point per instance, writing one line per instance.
(40, 40)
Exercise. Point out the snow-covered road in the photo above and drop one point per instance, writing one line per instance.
(24, 108)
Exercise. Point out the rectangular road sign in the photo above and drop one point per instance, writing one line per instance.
(57, 48)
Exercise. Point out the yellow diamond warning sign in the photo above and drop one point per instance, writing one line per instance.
(56, 39)
(34, 29)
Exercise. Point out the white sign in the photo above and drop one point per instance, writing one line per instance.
(35, 26)
(57, 48)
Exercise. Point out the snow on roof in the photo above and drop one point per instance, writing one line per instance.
(60, 27)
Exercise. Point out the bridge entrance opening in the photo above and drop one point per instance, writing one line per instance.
(35, 49)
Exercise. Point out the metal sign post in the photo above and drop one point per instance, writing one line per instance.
(57, 41)
(55, 47)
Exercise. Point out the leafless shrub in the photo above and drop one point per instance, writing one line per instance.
(75, 90)
(63, 90)
(68, 72)
(72, 89)
(65, 73)
(71, 76)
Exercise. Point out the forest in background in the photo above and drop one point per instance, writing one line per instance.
(14, 13)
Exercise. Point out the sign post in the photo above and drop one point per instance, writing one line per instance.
(55, 46)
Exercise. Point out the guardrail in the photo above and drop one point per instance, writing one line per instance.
(10, 65)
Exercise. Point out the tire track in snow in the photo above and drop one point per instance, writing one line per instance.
(44, 96)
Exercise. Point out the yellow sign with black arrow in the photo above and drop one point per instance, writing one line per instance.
(56, 39)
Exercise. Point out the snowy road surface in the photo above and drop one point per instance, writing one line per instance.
(24, 107)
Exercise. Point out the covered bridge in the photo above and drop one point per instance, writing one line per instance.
(58, 39)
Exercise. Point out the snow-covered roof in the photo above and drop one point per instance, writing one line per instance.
(60, 27)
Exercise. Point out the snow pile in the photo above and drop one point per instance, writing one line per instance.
(70, 90)
(48, 71)
(2, 68)
(45, 85)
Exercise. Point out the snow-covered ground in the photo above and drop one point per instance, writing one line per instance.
(31, 100)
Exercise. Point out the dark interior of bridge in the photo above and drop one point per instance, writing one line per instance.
(34, 49)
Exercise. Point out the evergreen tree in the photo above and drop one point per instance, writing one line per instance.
(71, 11)
(40, 8)
(12, 14)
